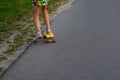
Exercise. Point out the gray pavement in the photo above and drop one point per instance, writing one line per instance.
(87, 48)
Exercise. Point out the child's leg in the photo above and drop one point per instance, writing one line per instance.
(46, 17)
(36, 11)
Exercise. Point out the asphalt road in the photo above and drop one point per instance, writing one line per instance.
(87, 48)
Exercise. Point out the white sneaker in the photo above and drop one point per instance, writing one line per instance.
(39, 35)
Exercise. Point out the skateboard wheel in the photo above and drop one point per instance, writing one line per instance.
(53, 41)
(50, 41)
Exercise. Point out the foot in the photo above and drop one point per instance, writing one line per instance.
(39, 35)
(48, 31)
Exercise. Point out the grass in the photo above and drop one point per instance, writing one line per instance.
(1, 69)
(3, 58)
(12, 11)
(18, 41)
(54, 4)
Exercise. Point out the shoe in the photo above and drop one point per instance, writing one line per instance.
(39, 35)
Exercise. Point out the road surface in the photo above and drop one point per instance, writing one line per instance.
(87, 48)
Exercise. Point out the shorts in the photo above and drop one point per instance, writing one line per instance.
(38, 3)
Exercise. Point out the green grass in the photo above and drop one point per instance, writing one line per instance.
(1, 69)
(54, 4)
(3, 58)
(12, 11)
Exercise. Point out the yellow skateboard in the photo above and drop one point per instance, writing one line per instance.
(49, 38)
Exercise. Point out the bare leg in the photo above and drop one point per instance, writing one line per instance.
(36, 11)
(46, 17)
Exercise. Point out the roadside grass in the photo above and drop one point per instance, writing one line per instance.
(12, 11)
(3, 58)
(1, 69)
(54, 4)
